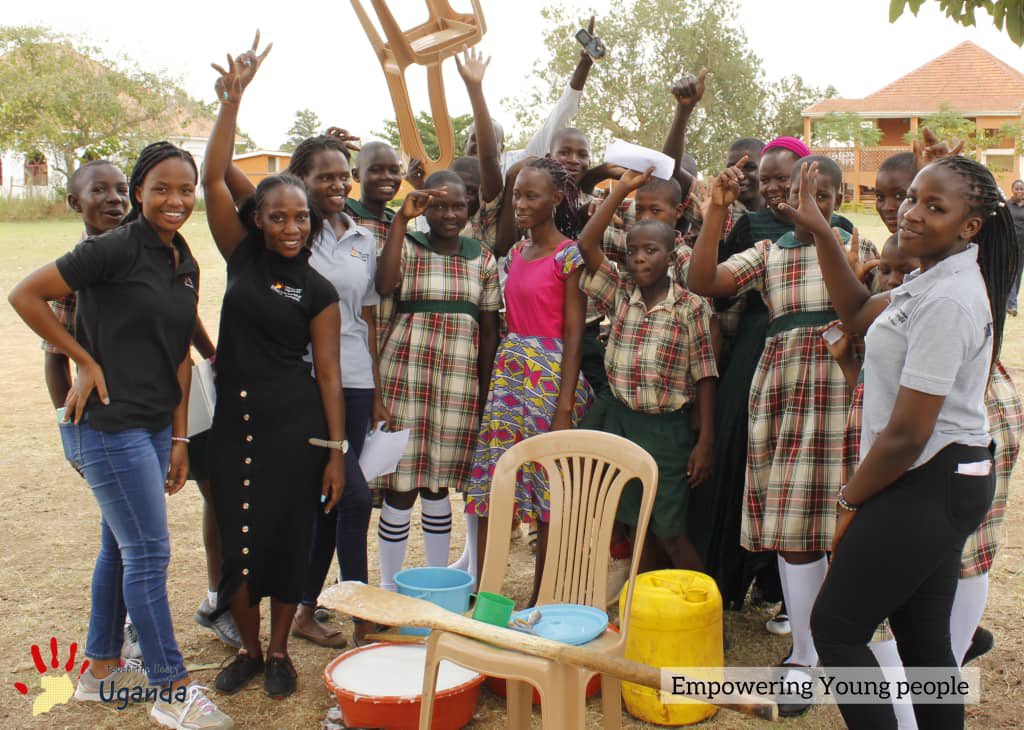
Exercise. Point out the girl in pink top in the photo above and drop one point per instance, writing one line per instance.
(536, 385)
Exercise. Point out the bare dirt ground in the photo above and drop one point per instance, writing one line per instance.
(50, 534)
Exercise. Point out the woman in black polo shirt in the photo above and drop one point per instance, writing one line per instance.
(267, 480)
(137, 289)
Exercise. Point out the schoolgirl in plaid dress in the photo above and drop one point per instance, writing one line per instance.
(435, 363)
(798, 403)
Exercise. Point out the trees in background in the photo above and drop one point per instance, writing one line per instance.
(1008, 14)
(425, 125)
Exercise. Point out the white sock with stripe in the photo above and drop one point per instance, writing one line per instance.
(392, 538)
(436, 517)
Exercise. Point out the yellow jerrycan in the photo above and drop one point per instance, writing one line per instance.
(676, 621)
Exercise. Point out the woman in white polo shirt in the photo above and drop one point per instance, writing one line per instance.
(924, 481)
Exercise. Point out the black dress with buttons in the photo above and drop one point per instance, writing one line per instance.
(266, 478)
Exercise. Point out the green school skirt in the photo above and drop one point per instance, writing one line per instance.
(665, 436)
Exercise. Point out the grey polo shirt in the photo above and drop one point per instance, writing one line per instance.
(350, 264)
(935, 337)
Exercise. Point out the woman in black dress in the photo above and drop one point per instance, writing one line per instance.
(267, 479)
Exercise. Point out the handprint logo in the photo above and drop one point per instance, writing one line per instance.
(57, 688)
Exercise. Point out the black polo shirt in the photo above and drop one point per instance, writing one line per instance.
(136, 315)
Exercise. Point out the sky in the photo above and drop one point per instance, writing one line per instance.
(323, 61)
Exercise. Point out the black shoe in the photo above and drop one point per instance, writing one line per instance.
(279, 679)
(792, 705)
(981, 644)
(237, 674)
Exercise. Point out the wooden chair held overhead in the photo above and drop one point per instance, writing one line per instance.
(445, 34)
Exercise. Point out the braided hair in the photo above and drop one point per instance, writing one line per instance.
(251, 206)
(997, 243)
(302, 156)
(567, 213)
(149, 158)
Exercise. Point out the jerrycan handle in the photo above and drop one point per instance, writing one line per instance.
(669, 585)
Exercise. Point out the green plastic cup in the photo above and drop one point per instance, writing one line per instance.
(492, 608)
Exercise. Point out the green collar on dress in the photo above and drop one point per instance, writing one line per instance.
(788, 239)
(469, 248)
(360, 210)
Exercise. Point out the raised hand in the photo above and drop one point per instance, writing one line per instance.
(725, 190)
(807, 214)
(472, 66)
(343, 136)
(689, 89)
(861, 269)
(583, 51)
(229, 85)
(250, 61)
(632, 180)
(930, 148)
(417, 201)
(416, 173)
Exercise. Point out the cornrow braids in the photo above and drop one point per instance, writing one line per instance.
(998, 255)
(149, 158)
(252, 204)
(302, 157)
(567, 213)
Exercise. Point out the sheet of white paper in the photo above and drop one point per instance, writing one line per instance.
(634, 157)
(382, 451)
(202, 398)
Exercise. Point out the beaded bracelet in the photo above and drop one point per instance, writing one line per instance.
(846, 505)
(182, 439)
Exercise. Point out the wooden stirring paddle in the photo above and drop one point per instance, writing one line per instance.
(375, 604)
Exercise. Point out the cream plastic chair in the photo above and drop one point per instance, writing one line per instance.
(443, 35)
(587, 471)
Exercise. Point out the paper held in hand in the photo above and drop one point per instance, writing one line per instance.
(382, 451)
(634, 157)
(201, 398)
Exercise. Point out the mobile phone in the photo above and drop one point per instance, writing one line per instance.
(593, 45)
(832, 335)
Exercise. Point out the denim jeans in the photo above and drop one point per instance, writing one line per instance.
(127, 471)
(344, 527)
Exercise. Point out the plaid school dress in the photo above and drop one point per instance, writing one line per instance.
(799, 402)
(1006, 422)
(429, 360)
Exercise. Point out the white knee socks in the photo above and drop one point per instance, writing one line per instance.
(393, 537)
(968, 606)
(436, 516)
(800, 585)
(888, 657)
(467, 561)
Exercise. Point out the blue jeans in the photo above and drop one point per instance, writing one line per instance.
(127, 471)
(1015, 286)
(344, 528)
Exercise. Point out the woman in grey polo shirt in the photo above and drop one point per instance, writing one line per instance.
(924, 481)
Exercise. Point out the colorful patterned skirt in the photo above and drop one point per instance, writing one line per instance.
(521, 403)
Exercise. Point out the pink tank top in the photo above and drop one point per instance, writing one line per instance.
(535, 290)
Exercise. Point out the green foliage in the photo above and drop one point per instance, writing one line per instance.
(245, 145)
(846, 128)
(1003, 12)
(306, 124)
(70, 101)
(949, 124)
(789, 97)
(425, 125)
(651, 42)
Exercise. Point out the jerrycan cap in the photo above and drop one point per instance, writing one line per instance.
(695, 595)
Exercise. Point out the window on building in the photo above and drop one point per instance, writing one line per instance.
(272, 163)
(36, 172)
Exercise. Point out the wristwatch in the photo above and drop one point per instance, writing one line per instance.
(341, 446)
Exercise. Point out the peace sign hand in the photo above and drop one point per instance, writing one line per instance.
(250, 61)
(229, 85)
(807, 214)
(689, 89)
(929, 148)
(725, 190)
(472, 67)
(861, 269)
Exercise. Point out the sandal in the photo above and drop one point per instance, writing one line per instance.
(330, 638)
